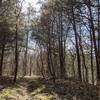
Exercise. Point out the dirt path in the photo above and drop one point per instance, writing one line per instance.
(39, 89)
(26, 89)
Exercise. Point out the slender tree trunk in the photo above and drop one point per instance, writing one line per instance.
(72, 62)
(16, 54)
(25, 67)
(49, 55)
(94, 39)
(98, 83)
(42, 64)
(38, 65)
(0, 3)
(77, 49)
(83, 56)
(48, 61)
(99, 32)
(16, 40)
(92, 67)
(2, 57)
(61, 47)
(30, 66)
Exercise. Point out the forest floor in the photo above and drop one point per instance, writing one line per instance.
(35, 88)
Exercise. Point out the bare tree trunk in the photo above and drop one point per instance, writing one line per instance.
(83, 56)
(77, 49)
(38, 66)
(25, 65)
(49, 55)
(61, 47)
(48, 61)
(2, 57)
(72, 62)
(94, 38)
(30, 66)
(16, 54)
(0, 3)
(92, 69)
(16, 41)
(42, 64)
(99, 32)
(98, 84)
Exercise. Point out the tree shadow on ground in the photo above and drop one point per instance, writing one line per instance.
(45, 89)
(64, 89)
(6, 82)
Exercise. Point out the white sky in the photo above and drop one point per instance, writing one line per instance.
(36, 5)
(24, 10)
(32, 2)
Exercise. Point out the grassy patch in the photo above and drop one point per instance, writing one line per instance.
(27, 89)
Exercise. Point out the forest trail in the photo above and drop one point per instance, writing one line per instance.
(35, 88)
(25, 89)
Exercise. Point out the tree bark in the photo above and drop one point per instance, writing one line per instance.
(16, 54)
(77, 49)
(2, 57)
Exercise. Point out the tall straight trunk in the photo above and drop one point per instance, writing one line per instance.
(51, 47)
(48, 62)
(77, 48)
(94, 39)
(42, 64)
(2, 57)
(51, 60)
(38, 65)
(61, 47)
(16, 40)
(25, 65)
(92, 69)
(16, 54)
(52, 67)
(99, 32)
(49, 57)
(83, 73)
(0, 3)
(83, 56)
(27, 40)
(30, 66)
(72, 63)
(98, 82)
